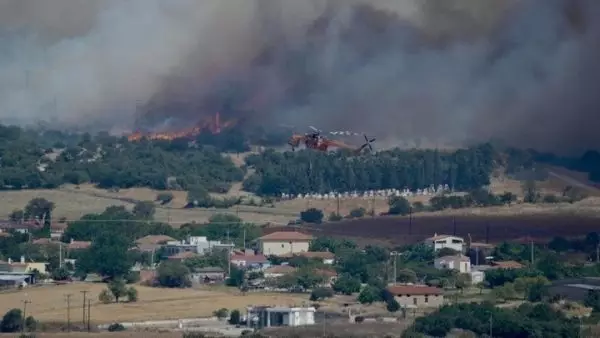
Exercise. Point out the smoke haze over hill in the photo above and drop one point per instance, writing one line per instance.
(521, 71)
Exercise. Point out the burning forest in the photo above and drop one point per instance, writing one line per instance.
(438, 70)
(210, 124)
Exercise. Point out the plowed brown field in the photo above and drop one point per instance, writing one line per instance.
(492, 229)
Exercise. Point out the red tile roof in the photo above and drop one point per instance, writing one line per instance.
(184, 255)
(286, 236)
(311, 254)
(154, 239)
(45, 241)
(326, 273)
(76, 245)
(507, 265)
(414, 290)
(250, 259)
(280, 269)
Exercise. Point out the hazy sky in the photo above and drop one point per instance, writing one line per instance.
(523, 71)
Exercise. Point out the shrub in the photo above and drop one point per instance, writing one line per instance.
(312, 215)
(105, 297)
(221, 313)
(321, 293)
(132, 294)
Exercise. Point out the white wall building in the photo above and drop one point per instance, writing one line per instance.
(477, 276)
(196, 244)
(266, 316)
(439, 242)
(458, 262)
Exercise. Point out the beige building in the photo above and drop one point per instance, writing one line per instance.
(284, 242)
(417, 296)
(23, 266)
(460, 263)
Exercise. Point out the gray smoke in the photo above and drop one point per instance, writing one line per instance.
(521, 71)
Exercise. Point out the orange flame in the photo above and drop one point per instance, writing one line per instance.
(215, 126)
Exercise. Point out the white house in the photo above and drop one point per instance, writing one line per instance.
(267, 316)
(439, 242)
(458, 262)
(477, 276)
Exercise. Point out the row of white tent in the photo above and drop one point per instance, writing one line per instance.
(370, 194)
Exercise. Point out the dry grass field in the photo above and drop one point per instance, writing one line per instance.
(74, 201)
(48, 303)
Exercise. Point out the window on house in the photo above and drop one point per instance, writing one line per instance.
(415, 301)
(426, 299)
(282, 246)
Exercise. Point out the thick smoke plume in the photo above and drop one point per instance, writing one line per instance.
(521, 71)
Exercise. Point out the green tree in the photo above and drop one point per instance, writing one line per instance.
(592, 299)
(406, 276)
(346, 284)
(399, 206)
(60, 274)
(31, 324)
(357, 213)
(333, 217)
(39, 208)
(392, 305)
(236, 278)
(221, 313)
(173, 275)
(320, 294)
(117, 288)
(12, 321)
(531, 192)
(164, 197)
(235, 317)
(132, 294)
(198, 196)
(369, 294)
(144, 209)
(312, 215)
(17, 215)
(108, 256)
(105, 297)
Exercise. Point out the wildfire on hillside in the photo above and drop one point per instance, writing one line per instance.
(212, 124)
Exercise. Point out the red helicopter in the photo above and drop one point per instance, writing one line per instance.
(314, 140)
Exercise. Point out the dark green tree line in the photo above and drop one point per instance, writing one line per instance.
(311, 171)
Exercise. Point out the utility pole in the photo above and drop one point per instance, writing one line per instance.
(410, 210)
(394, 254)
(531, 241)
(89, 315)
(84, 299)
(338, 205)
(25, 302)
(244, 239)
(598, 253)
(68, 296)
(60, 260)
(454, 225)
